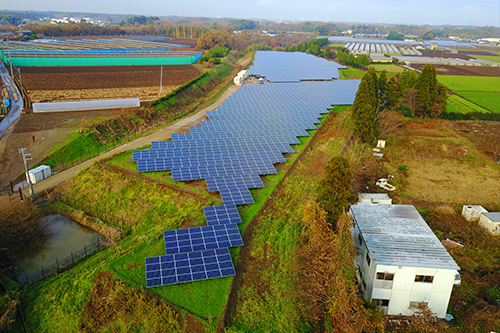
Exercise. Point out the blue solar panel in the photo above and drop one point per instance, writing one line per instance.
(202, 238)
(248, 181)
(186, 267)
(224, 214)
(236, 196)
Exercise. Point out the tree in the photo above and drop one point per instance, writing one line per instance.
(365, 106)
(383, 90)
(327, 53)
(334, 190)
(314, 49)
(410, 100)
(427, 86)
(394, 93)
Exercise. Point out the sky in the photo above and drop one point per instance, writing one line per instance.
(435, 12)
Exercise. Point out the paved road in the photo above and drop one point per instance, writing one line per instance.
(16, 106)
(158, 135)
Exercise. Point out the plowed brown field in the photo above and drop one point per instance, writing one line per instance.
(57, 84)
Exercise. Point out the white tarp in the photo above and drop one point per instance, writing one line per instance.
(86, 105)
(39, 173)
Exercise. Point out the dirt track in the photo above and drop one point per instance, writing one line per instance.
(159, 135)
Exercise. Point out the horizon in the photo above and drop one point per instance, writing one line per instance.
(454, 13)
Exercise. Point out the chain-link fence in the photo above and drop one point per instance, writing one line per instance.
(63, 264)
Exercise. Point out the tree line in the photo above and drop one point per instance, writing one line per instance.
(346, 57)
(419, 94)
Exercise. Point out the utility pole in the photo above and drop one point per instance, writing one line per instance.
(23, 151)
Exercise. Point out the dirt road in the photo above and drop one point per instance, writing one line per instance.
(158, 135)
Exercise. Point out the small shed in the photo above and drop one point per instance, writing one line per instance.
(490, 221)
(39, 173)
(377, 198)
(473, 212)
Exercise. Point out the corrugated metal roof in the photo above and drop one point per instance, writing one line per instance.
(493, 216)
(397, 235)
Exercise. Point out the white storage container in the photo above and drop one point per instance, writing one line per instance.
(39, 173)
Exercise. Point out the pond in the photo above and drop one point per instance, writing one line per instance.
(66, 236)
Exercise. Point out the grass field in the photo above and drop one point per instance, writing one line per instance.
(458, 104)
(488, 100)
(351, 74)
(390, 68)
(486, 57)
(471, 83)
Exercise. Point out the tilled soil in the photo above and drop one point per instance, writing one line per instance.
(463, 70)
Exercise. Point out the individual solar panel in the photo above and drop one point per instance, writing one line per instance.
(225, 214)
(248, 181)
(186, 267)
(236, 196)
(202, 238)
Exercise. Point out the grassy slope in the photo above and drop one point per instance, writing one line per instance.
(458, 104)
(268, 295)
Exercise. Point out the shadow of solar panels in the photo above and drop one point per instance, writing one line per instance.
(293, 67)
(225, 214)
(202, 238)
(190, 266)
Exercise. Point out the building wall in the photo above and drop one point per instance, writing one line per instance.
(492, 227)
(403, 289)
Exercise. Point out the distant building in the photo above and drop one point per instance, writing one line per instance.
(490, 221)
(379, 57)
(25, 33)
(401, 263)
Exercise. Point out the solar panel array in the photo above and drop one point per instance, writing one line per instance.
(242, 140)
(293, 67)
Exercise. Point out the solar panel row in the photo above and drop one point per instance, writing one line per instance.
(243, 139)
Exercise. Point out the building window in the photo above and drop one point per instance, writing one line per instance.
(385, 276)
(418, 305)
(368, 260)
(424, 278)
(381, 302)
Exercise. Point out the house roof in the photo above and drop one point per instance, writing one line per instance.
(493, 216)
(396, 235)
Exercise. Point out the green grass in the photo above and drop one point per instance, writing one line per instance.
(488, 100)
(268, 297)
(458, 104)
(390, 68)
(486, 57)
(337, 44)
(471, 83)
(351, 74)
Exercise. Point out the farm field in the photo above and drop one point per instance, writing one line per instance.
(389, 68)
(488, 100)
(463, 70)
(486, 57)
(458, 104)
(471, 83)
(351, 74)
(57, 84)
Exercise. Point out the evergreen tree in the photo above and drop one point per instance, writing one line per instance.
(334, 190)
(394, 93)
(365, 106)
(383, 90)
(427, 86)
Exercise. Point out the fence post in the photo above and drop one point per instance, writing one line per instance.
(72, 259)
(43, 273)
(21, 194)
(57, 264)
(11, 187)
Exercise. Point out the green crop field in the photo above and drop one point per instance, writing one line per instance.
(488, 100)
(458, 104)
(486, 57)
(351, 74)
(390, 68)
(471, 83)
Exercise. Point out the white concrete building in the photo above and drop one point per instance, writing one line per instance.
(490, 221)
(376, 198)
(401, 262)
